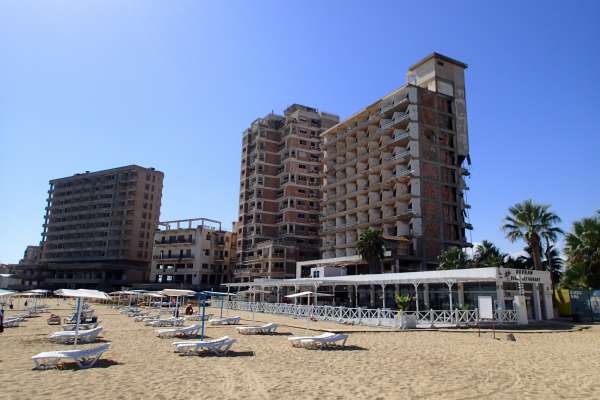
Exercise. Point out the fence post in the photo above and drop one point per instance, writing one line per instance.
(359, 315)
(378, 317)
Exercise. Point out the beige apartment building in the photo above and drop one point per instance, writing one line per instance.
(399, 166)
(192, 253)
(99, 227)
(280, 192)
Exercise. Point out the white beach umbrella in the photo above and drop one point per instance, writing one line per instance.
(81, 294)
(177, 293)
(308, 295)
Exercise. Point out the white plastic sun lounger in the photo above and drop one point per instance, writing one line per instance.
(82, 326)
(166, 322)
(87, 336)
(84, 358)
(225, 321)
(11, 322)
(191, 330)
(258, 330)
(326, 339)
(146, 317)
(218, 346)
(198, 317)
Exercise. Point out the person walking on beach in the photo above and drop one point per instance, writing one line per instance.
(1, 319)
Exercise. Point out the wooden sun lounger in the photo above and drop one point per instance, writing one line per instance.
(324, 340)
(218, 346)
(258, 330)
(191, 330)
(87, 336)
(84, 358)
(225, 321)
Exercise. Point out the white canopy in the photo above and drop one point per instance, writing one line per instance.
(308, 294)
(177, 292)
(6, 293)
(157, 295)
(42, 291)
(82, 293)
(251, 291)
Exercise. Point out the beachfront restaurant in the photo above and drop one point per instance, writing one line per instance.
(432, 292)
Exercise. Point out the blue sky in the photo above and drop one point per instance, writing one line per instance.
(172, 84)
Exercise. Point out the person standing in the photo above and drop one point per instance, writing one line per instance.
(1, 319)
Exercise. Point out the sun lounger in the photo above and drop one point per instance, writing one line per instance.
(198, 317)
(84, 358)
(146, 317)
(191, 330)
(225, 321)
(217, 346)
(166, 322)
(11, 322)
(82, 327)
(324, 340)
(258, 330)
(87, 336)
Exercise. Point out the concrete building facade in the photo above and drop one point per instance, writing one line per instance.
(99, 227)
(194, 254)
(280, 191)
(399, 166)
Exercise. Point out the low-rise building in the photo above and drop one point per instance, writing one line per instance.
(192, 253)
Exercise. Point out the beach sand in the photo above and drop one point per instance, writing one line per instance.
(376, 365)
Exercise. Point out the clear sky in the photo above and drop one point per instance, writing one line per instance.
(89, 85)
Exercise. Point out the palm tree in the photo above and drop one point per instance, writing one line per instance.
(487, 254)
(370, 246)
(532, 222)
(583, 253)
(553, 263)
(453, 258)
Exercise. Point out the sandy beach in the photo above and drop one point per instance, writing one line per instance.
(375, 365)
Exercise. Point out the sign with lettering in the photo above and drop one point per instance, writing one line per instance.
(523, 276)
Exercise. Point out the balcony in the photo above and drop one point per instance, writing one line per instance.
(396, 119)
(174, 257)
(396, 103)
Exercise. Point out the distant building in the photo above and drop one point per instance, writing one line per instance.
(280, 191)
(99, 227)
(192, 253)
(31, 255)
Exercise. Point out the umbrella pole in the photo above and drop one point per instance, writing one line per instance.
(307, 313)
(221, 306)
(77, 320)
(203, 313)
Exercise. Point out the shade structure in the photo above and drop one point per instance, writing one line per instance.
(177, 292)
(6, 293)
(81, 294)
(308, 295)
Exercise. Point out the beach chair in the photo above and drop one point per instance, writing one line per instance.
(191, 330)
(66, 337)
(166, 322)
(82, 327)
(146, 317)
(84, 358)
(218, 346)
(266, 329)
(225, 321)
(11, 322)
(327, 339)
(198, 317)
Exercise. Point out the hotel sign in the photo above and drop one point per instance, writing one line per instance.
(523, 276)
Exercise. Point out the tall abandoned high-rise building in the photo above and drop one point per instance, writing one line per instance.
(398, 166)
(99, 227)
(280, 192)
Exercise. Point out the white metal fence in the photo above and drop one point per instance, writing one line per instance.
(372, 317)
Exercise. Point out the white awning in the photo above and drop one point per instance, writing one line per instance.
(308, 294)
(6, 293)
(83, 293)
(177, 292)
